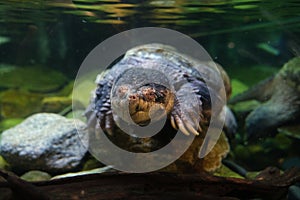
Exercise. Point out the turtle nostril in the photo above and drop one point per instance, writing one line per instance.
(133, 97)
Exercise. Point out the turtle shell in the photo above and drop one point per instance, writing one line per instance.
(155, 77)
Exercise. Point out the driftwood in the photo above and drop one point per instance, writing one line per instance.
(269, 185)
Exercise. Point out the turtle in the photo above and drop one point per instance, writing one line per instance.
(279, 97)
(153, 81)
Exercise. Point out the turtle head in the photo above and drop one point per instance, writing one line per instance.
(141, 100)
(143, 104)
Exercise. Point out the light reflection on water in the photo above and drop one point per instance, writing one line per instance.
(38, 24)
(177, 12)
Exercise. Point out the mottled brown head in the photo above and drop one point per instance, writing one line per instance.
(146, 103)
(139, 101)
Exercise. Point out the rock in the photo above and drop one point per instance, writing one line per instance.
(279, 96)
(55, 104)
(242, 109)
(18, 103)
(294, 192)
(47, 142)
(35, 79)
(291, 162)
(36, 175)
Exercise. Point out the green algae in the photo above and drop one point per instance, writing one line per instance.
(3, 164)
(91, 163)
(245, 106)
(35, 79)
(55, 104)
(292, 131)
(18, 103)
(66, 90)
(8, 123)
(226, 172)
(36, 175)
(237, 87)
(253, 74)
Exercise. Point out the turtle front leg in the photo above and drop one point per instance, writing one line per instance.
(191, 110)
(99, 113)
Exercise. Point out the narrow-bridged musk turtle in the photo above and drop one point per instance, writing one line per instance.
(152, 81)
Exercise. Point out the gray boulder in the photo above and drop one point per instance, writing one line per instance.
(45, 141)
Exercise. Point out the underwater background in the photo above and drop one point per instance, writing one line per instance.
(43, 43)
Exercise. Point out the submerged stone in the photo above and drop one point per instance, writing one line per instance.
(35, 79)
(36, 175)
(45, 141)
(242, 109)
(19, 103)
(279, 96)
(55, 104)
(291, 162)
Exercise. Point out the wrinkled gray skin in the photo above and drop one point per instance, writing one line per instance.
(148, 80)
(280, 97)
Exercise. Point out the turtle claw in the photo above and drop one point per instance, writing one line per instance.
(184, 126)
(173, 123)
(191, 129)
(183, 129)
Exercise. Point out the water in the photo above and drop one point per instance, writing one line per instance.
(252, 39)
(59, 32)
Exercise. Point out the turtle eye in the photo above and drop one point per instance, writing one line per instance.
(159, 96)
(148, 94)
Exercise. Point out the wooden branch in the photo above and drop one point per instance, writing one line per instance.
(150, 186)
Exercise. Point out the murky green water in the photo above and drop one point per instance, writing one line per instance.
(61, 33)
(43, 43)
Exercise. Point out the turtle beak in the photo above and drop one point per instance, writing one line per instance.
(133, 102)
